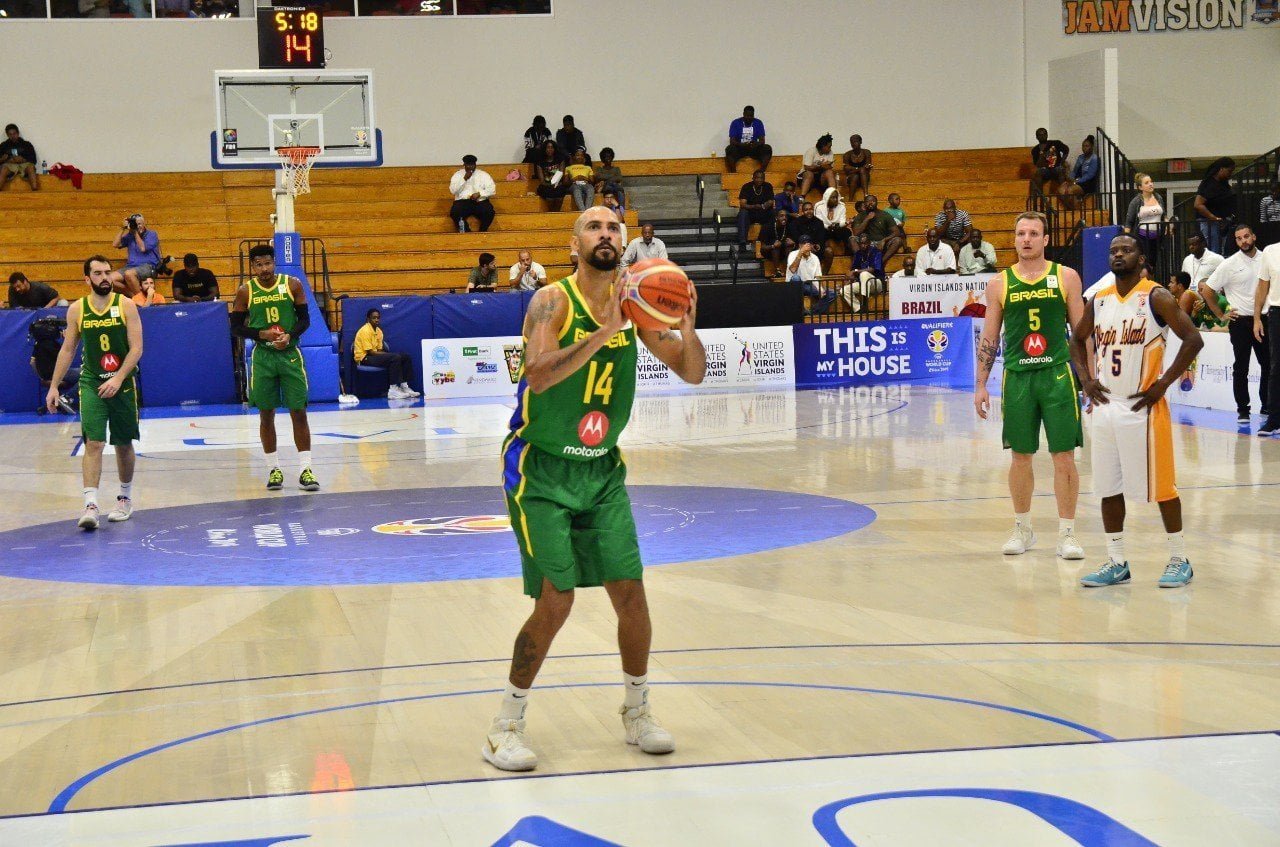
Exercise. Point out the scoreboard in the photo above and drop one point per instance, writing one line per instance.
(290, 37)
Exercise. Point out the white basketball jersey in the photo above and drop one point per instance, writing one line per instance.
(1129, 340)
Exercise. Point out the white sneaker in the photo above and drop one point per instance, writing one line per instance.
(123, 510)
(644, 730)
(394, 393)
(89, 520)
(506, 748)
(1020, 540)
(408, 391)
(1068, 547)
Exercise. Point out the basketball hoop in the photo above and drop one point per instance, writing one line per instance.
(295, 168)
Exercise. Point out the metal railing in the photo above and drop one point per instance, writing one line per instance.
(1115, 179)
(835, 305)
(700, 186)
(1252, 182)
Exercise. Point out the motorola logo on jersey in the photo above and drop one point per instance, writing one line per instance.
(592, 429)
(109, 362)
(1034, 344)
(460, 525)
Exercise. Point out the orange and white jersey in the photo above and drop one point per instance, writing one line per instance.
(1129, 340)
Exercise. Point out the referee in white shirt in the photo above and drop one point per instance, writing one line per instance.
(471, 190)
(1266, 310)
(1237, 279)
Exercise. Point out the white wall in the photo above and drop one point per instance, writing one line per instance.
(1190, 93)
(1091, 101)
(662, 78)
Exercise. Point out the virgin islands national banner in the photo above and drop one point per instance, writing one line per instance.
(937, 296)
(1145, 16)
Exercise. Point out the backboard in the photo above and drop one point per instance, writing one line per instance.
(258, 111)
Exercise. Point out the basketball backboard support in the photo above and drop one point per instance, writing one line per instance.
(258, 111)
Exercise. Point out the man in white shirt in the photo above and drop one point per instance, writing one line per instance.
(805, 268)
(831, 211)
(644, 247)
(977, 256)
(908, 267)
(1266, 310)
(935, 257)
(471, 189)
(1236, 278)
(1200, 262)
(526, 274)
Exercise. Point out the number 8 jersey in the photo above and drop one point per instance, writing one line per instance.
(1129, 340)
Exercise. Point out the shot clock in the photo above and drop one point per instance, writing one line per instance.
(290, 37)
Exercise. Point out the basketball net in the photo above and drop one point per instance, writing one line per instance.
(295, 168)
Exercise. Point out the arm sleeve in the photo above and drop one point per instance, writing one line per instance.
(238, 328)
(303, 323)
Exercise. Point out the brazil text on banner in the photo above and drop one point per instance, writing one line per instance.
(936, 352)
(938, 296)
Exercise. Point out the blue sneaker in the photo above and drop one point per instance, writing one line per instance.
(1177, 573)
(1110, 573)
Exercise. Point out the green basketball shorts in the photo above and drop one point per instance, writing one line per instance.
(118, 415)
(276, 378)
(572, 519)
(1044, 395)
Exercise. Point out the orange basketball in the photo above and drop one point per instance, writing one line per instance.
(656, 294)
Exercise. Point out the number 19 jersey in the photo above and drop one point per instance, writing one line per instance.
(582, 416)
(272, 307)
(1035, 320)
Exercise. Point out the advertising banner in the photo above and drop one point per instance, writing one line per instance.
(1207, 383)
(936, 352)
(754, 357)
(471, 367)
(937, 296)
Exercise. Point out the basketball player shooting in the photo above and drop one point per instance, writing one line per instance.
(565, 480)
(1131, 443)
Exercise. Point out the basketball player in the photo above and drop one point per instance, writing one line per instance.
(1034, 302)
(565, 479)
(112, 332)
(1131, 443)
(271, 310)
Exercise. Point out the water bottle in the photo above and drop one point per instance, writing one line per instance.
(462, 225)
(44, 167)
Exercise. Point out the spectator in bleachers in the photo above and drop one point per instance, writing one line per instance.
(570, 139)
(936, 256)
(857, 167)
(1084, 175)
(148, 296)
(1236, 279)
(953, 224)
(582, 182)
(866, 276)
(1269, 208)
(18, 156)
(908, 267)
(609, 176)
(831, 211)
(819, 167)
(1049, 158)
(898, 213)
(1215, 204)
(644, 247)
(193, 283)
(552, 185)
(880, 226)
(369, 349)
(747, 141)
(977, 256)
(534, 137)
(526, 274)
(1145, 217)
(787, 201)
(471, 189)
(1200, 262)
(804, 268)
(484, 277)
(755, 206)
(774, 243)
(610, 201)
(25, 294)
(143, 256)
(807, 225)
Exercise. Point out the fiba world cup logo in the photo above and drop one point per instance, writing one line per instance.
(937, 342)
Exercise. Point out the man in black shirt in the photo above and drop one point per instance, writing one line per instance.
(755, 206)
(25, 294)
(18, 158)
(806, 224)
(193, 283)
(570, 140)
(1050, 160)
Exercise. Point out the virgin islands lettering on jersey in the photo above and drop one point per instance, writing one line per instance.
(582, 416)
(1129, 339)
(1035, 320)
(272, 307)
(106, 340)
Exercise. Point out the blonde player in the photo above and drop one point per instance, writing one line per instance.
(1132, 434)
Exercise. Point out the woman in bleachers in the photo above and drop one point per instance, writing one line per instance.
(549, 171)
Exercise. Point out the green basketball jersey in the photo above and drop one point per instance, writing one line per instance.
(272, 307)
(106, 339)
(582, 416)
(1035, 320)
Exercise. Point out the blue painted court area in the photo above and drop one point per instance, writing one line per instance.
(414, 535)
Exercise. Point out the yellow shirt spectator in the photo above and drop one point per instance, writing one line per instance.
(577, 172)
(368, 340)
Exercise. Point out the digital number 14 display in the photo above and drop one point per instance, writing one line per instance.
(290, 38)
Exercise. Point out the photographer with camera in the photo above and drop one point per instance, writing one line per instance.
(143, 259)
(46, 336)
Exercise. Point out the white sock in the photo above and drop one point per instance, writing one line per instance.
(273, 460)
(514, 701)
(304, 459)
(637, 693)
(1177, 546)
(404, 386)
(1066, 526)
(1022, 519)
(126, 490)
(90, 497)
(1115, 547)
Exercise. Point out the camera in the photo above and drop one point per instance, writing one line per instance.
(46, 330)
(132, 221)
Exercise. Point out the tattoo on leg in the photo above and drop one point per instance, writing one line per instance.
(525, 654)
